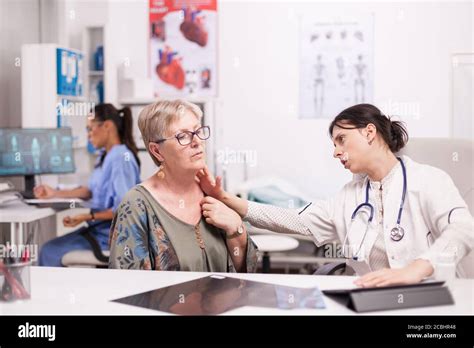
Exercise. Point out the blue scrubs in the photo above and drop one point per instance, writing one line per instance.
(108, 184)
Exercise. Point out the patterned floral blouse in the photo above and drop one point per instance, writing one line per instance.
(144, 235)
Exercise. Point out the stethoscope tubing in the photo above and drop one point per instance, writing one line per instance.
(372, 209)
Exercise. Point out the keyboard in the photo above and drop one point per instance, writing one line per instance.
(27, 194)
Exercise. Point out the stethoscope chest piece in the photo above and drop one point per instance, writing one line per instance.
(397, 233)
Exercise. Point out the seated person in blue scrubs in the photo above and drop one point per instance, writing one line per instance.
(116, 172)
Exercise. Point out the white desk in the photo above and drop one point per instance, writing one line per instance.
(66, 291)
(19, 213)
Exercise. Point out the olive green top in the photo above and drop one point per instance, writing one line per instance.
(144, 235)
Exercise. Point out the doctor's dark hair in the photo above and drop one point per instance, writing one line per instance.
(358, 116)
(122, 119)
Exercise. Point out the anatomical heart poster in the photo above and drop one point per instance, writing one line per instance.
(336, 65)
(183, 47)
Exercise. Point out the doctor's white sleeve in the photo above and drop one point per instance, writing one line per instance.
(449, 218)
(312, 220)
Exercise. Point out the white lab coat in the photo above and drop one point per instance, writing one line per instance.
(431, 195)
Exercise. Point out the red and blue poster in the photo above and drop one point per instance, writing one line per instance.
(183, 47)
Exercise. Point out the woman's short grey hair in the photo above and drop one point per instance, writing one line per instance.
(155, 119)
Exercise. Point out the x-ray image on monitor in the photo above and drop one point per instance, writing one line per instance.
(28, 151)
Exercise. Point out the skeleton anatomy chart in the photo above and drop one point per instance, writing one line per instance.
(336, 65)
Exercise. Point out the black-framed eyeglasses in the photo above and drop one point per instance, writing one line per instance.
(186, 137)
(95, 124)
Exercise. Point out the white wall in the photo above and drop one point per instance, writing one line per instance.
(126, 42)
(258, 98)
(19, 22)
(258, 75)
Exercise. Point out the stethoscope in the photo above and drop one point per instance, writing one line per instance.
(397, 232)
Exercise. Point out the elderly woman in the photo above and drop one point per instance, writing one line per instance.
(164, 223)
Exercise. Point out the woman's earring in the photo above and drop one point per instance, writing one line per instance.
(161, 173)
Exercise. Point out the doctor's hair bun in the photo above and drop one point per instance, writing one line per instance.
(358, 116)
(399, 135)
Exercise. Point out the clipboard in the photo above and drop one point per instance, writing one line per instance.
(393, 297)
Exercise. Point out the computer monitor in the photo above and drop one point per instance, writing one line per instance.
(33, 151)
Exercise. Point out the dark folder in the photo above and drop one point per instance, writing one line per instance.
(393, 297)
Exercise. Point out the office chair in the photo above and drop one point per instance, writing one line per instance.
(88, 258)
(455, 157)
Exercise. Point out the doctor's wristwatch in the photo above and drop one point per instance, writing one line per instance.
(238, 233)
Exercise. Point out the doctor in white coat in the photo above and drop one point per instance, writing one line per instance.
(394, 219)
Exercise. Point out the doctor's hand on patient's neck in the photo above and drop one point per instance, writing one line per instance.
(213, 187)
(209, 185)
(413, 273)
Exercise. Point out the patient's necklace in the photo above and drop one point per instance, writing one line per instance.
(197, 228)
(200, 240)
